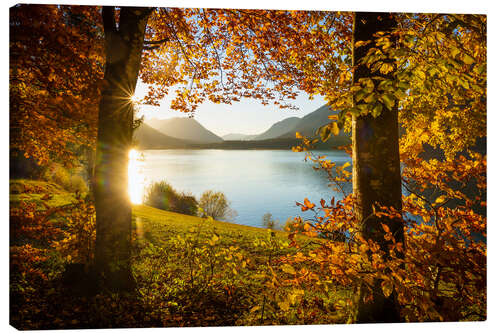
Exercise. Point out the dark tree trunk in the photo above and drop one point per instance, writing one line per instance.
(124, 42)
(376, 168)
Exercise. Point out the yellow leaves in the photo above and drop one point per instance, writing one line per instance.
(467, 59)
(284, 305)
(388, 100)
(386, 68)
(335, 128)
(213, 240)
(326, 131)
(307, 205)
(360, 43)
(255, 308)
(440, 199)
(292, 297)
(287, 268)
(364, 248)
(387, 287)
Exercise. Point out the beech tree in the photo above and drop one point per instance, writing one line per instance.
(56, 68)
(432, 68)
(375, 157)
(123, 42)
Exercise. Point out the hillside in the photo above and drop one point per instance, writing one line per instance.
(150, 138)
(189, 272)
(280, 128)
(309, 124)
(185, 129)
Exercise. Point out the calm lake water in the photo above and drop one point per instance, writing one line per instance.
(255, 181)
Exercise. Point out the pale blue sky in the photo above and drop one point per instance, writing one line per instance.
(246, 117)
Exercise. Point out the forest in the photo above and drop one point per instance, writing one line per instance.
(407, 245)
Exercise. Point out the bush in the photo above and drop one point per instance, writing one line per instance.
(269, 223)
(70, 181)
(216, 205)
(186, 204)
(292, 225)
(162, 195)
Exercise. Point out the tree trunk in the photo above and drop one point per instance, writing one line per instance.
(124, 44)
(376, 168)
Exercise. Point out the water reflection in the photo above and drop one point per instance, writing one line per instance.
(255, 181)
(136, 178)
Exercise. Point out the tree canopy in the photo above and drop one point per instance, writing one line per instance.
(56, 69)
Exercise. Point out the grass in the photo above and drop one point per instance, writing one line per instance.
(160, 226)
(34, 190)
(190, 271)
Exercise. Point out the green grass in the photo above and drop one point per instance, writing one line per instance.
(34, 190)
(190, 271)
(160, 226)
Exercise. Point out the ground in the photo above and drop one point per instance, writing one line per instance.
(189, 271)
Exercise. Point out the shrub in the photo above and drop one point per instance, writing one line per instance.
(216, 205)
(186, 204)
(70, 181)
(294, 225)
(162, 195)
(269, 223)
(77, 183)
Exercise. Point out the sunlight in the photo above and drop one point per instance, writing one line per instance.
(136, 179)
(135, 99)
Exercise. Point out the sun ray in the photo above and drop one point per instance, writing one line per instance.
(136, 178)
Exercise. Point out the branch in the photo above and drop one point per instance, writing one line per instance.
(215, 50)
(156, 42)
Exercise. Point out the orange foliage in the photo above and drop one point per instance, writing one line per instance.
(55, 70)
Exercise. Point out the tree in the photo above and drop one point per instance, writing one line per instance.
(56, 59)
(434, 65)
(375, 156)
(215, 205)
(124, 43)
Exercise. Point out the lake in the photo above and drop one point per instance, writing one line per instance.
(255, 181)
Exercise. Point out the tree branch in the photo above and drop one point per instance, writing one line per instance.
(156, 42)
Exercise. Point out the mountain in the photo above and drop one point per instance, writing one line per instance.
(149, 138)
(239, 137)
(308, 124)
(278, 129)
(184, 128)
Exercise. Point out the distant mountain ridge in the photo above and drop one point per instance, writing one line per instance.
(279, 128)
(309, 124)
(184, 128)
(149, 138)
(188, 133)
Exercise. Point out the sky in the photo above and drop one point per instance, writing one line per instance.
(248, 116)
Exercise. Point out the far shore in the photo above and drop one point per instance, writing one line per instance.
(271, 144)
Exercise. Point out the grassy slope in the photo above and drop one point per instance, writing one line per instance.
(158, 226)
(195, 272)
(34, 190)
